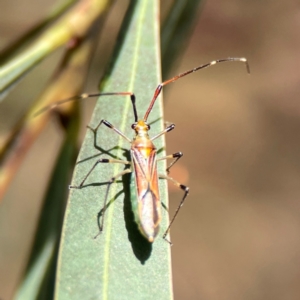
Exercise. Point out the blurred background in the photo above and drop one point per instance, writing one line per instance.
(237, 236)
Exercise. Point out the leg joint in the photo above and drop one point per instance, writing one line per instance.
(185, 188)
(104, 160)
(106, 123)
(178, 154)
(170, 127)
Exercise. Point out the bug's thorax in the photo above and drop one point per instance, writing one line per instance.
(141, 141)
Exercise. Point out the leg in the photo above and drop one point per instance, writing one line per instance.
(85, 96)
(176, 155)
(167, 129)
(186, 191)
(106, 123)
(160, 86)
(102, 160)
(103, 151)
(112, 180)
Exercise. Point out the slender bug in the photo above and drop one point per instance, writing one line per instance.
(143, 160)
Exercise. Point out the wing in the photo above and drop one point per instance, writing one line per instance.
(147, 191)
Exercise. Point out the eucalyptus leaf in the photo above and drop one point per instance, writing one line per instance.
(120, 263)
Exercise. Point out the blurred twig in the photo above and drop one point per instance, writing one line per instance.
(67, 81)
(72, 27)
(20, 43)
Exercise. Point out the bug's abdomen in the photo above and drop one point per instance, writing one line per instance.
(148, 214)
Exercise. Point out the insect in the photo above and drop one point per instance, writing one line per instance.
(144, 160)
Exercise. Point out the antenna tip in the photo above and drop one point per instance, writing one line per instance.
(243, 59)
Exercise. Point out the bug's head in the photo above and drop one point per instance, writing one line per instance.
(140, 127)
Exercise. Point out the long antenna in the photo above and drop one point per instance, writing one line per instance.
(212, 63)
(85, 96)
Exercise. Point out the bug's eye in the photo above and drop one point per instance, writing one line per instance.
(133, 126)
(148, 126)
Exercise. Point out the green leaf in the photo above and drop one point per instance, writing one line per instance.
(120, 263)
(38, 282)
